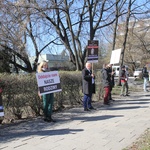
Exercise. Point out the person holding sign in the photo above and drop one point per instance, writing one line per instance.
(87, 86)
(48, 99)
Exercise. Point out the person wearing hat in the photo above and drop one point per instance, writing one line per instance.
(124, 80)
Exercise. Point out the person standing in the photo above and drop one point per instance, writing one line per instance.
(124, 79)
(145, 77)
(127, 86)
(111, 74)
(48, 99)
(106, 84)
(87, 86)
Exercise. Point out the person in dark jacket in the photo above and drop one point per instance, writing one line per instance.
(88, 86)
(145, 77)
(106, 83)
(124, 80)
(111, 74)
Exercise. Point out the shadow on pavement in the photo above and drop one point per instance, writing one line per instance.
(96, 118)
(139, 100)
(136, 103)
(123, 108)
(21, 134)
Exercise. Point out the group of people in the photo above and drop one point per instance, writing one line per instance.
(108, 83)
(88, 86)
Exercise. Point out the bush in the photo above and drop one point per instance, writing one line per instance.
(20, 94)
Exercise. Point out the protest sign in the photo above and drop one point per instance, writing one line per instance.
(115, 56)
(92, 51)
(48, 82)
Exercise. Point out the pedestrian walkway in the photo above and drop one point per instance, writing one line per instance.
(107, 128)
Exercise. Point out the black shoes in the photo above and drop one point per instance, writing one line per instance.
(92, 108)
(125, 95)
(112, 100)
(49, 120)
(106, 103)
(86, 109)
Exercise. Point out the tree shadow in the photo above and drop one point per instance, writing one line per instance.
(138, 103)
(139, 100)
(128, 108)
(31, 133)
(96, 118)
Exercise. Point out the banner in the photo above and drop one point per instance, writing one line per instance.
(48, 82)
(92, 51)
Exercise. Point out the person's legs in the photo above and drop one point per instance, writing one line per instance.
(45, 105)
(127, 88)
(90, 102)
(110, 98)
(48, 100)
(106, 95)
(50, 104)
(123, 88)
(85, 101)
(145, 83)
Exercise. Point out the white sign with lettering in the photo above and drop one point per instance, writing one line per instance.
(48, 82)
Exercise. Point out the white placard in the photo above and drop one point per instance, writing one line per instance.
(115, 56)
(48, 82)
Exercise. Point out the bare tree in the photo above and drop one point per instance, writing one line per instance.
(35, 26)
(76, 22)
(20, 34)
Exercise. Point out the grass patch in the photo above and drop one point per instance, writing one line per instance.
(143, 143)
(117, 89)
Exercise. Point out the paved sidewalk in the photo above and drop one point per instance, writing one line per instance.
(107, 128)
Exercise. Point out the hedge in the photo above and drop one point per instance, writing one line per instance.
(20, 94)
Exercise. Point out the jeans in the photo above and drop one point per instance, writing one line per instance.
(145, 83)
(87, 101)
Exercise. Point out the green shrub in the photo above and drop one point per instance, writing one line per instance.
(20, 94)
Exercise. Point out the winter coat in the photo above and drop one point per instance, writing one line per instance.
(87, 86)
(106, 78)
